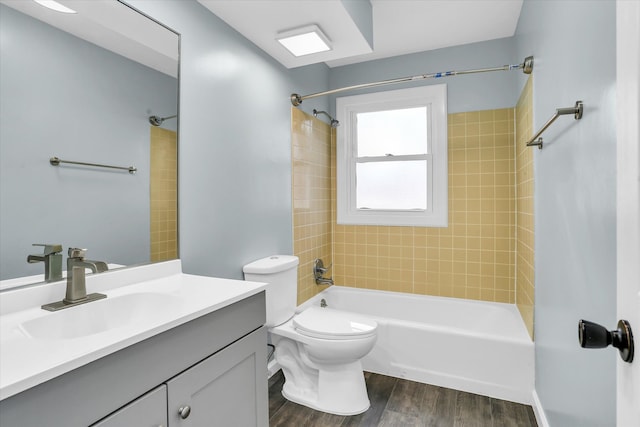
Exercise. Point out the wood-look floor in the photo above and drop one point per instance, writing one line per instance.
(402, 403)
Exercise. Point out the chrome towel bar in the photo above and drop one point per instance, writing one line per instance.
(55, 161)
(536, 141)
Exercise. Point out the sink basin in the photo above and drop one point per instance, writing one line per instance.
(101, 316)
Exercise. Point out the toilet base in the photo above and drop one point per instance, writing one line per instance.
(339, 390)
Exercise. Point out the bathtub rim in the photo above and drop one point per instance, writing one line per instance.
(523, 336)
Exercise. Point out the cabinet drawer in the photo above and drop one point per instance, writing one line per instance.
(149, 410)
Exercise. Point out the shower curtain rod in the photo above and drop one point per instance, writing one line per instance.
(526, 67)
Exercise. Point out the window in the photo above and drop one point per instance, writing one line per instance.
(392, 157)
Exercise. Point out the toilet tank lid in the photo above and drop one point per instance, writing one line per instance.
(271, 264)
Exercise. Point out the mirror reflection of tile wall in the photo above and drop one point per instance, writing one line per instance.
(164, 197)
(92, 105)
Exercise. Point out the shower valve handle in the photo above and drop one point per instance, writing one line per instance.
(324, 269)
(318, 273)
(592, 335)
(318, 267)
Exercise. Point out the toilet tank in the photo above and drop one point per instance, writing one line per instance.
(280, 272)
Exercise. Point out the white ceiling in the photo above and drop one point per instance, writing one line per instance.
(399, 26)
(113, 26)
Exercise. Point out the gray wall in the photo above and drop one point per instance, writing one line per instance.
(471, 92)
(62, 96)
(575, 204)
(235, 142)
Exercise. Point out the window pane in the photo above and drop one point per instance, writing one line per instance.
(391, 185)
(392, 132)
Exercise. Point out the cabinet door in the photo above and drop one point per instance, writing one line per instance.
(227, 389)
(149, 410)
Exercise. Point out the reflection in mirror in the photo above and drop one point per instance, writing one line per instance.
(83, 87)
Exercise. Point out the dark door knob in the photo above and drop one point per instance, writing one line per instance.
(592, 335)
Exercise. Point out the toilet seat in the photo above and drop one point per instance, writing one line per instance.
(327, 323)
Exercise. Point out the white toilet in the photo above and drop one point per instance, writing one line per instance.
(318, 349)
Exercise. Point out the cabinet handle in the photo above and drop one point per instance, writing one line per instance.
(184, 411)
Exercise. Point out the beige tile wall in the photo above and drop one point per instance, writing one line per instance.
(474, 257)
(524, 202)
(311, 153)
(163, 194)
(490, 217)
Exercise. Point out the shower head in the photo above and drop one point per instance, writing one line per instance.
(157, 121)
(333, 122)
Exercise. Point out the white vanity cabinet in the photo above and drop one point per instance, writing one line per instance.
(215, 364)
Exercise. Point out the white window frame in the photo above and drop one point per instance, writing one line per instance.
(434, 97)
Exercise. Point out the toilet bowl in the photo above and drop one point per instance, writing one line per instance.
(318, 349)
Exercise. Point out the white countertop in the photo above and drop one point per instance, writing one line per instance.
(27, 361)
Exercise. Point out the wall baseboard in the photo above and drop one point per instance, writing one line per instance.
(538, 410)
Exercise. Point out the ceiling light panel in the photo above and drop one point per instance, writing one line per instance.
(304, 41)
(262, 22)
(54, 5)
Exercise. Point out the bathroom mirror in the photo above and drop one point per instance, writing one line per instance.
(82, 87)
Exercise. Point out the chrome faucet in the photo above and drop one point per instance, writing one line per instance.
(52, 259)
(76, 265)
(76, 286)
(318, 273)
(76, 259)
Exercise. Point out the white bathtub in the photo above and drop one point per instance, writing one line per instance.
(474, 346)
